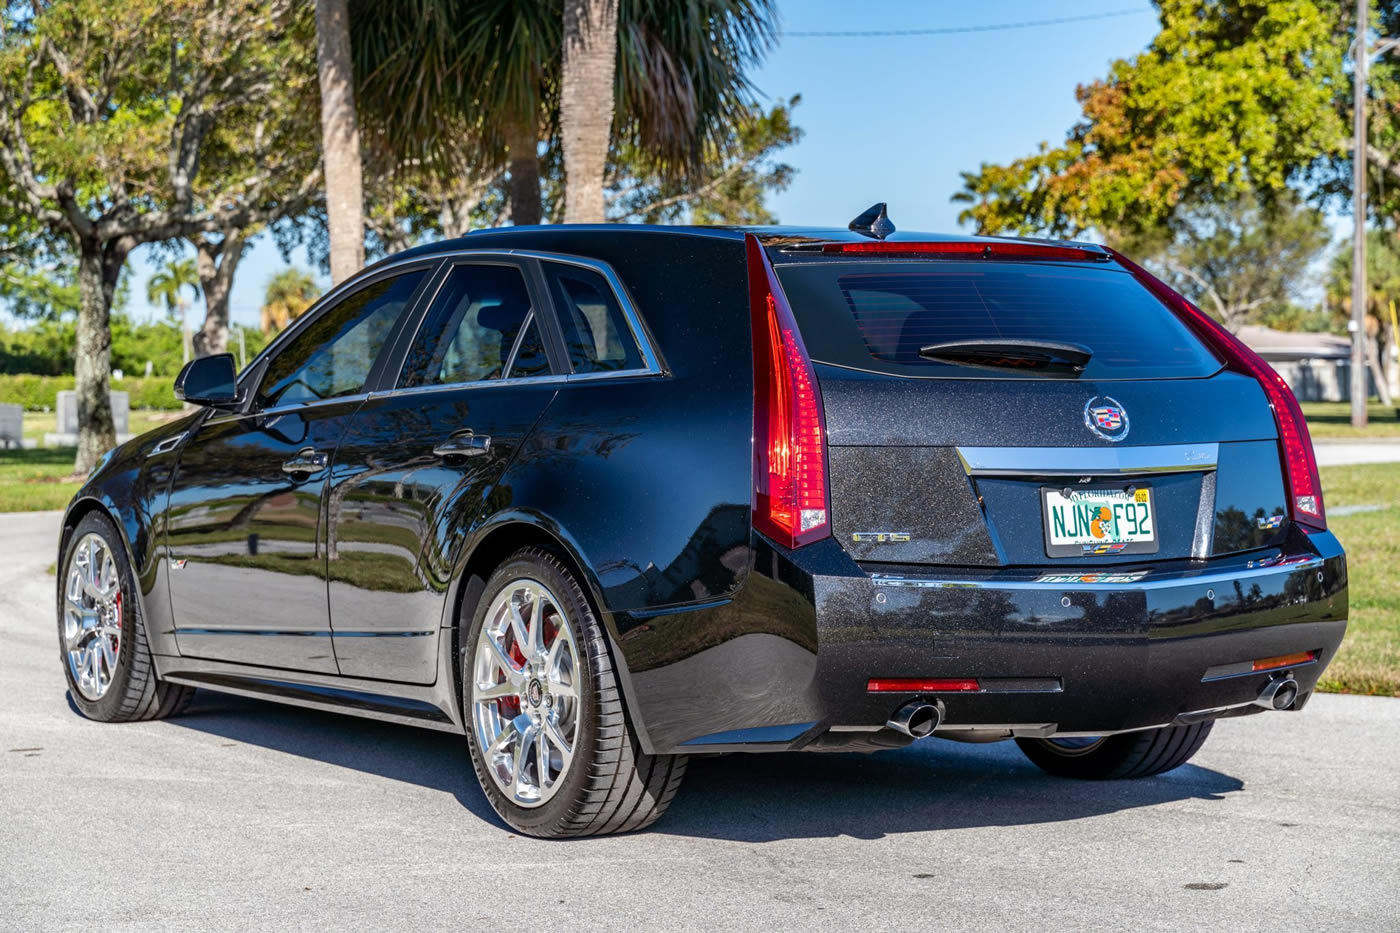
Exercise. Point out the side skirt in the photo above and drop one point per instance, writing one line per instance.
(410, 704)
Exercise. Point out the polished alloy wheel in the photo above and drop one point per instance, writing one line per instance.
(525, 692)
(92, 616)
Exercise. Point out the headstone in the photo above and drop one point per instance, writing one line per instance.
(66, 410)
(12, 425)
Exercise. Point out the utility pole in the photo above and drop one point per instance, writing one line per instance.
(1359, 394)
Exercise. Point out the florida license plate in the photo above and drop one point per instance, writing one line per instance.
(1100, 520)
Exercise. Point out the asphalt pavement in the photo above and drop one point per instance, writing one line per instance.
(247, 815)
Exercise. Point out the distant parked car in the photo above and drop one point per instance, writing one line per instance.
(600, 497)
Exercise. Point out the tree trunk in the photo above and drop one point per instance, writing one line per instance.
(523, 139)
(340, 140)
(217, 263)
(586, 105)
(99, 267)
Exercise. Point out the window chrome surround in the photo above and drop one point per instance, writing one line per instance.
(651, 360)
(653, 364)
(1088, 461)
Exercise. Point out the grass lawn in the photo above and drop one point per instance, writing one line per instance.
(1369, 661)
(34, 480)
(39, 423)
(1333, 420)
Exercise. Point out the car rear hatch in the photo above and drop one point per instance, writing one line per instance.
(1028, 406)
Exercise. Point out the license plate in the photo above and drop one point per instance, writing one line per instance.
(1101, 520)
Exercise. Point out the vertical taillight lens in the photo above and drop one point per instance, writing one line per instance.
(1295, 443)
(789, 434)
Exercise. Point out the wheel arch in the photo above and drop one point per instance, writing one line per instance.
(490, 544)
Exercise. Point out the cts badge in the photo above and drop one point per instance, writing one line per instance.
(1106, 418)
(880, 537)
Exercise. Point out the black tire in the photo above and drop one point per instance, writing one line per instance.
(611, 786)
(135, 693)
(1114, 757)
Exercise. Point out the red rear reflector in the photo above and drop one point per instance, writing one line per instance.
(789, 433)
(1295, 443)
(1284, 660)
(920, 685)
(1002, 249)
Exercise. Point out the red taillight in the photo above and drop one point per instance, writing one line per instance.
(921, 685)
(1295, 443)
(789, 434)
(1005, 249)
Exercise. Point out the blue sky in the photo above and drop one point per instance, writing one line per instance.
(887, 118)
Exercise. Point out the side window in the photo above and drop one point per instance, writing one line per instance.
(473, 325)
(333, 355)
(595, 331)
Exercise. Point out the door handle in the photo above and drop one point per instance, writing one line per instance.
(464, 444)
(307, 460)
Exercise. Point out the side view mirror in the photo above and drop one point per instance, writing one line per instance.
(209, 380)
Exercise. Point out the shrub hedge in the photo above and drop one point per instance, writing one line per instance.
(39, 393)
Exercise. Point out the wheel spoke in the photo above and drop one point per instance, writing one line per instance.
(541, 759)
(108, 653)
(556, 738)
(503, 661)
(495, 692)
(522, 749)
(521, 632)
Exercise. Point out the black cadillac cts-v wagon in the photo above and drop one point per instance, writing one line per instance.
(602, 497)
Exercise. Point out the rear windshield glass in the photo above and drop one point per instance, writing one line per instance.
(878, 315)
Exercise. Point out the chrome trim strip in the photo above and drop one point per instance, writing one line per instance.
(1088, 461)
(1115, 580)
(313, 633)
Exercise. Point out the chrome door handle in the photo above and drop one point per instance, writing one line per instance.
(307, 460)
(464, 444)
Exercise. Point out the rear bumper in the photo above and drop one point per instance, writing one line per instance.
(1070, 653)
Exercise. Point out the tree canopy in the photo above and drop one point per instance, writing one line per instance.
(1233, 98)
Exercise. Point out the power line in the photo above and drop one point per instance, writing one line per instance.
(950, 30)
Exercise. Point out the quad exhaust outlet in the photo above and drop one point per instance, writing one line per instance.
(917, 718)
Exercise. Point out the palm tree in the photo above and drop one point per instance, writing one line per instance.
(475, 82)
(289, 293)
(167, 287)
(586, 104)
(340, 140)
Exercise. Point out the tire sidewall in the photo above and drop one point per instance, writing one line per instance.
(108, 707)
(538, 565)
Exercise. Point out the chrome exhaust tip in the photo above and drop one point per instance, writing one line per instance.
(917, 718)
(1279, 693)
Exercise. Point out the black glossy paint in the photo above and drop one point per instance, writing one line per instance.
(340, 587)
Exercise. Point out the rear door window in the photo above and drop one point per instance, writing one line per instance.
(879, 315)
(474, 324)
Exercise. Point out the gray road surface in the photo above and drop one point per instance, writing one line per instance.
(244, 815)
(1340, 453)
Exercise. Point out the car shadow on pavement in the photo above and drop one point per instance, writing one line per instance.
(931, 785)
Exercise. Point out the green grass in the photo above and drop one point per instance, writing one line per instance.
(1333, 420)
(1369, 661)
(39, 423)
(35, 480)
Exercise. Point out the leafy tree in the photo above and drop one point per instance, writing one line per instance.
(167, 286)
(289, 293)
(108, 109)
(480, 82)
(1233, 98)
(1238, 260)
(730, 186)
(1382, 287)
